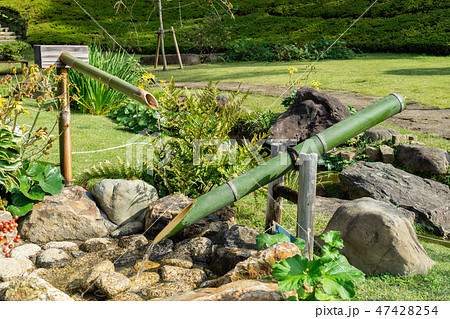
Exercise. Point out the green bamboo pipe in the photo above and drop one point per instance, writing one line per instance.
(281, 165)
(112, 81)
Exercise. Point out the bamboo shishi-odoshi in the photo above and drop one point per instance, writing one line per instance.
(281, 165)
(113, 82)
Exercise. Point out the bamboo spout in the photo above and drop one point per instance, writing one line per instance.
(281, 165)
(112, 81)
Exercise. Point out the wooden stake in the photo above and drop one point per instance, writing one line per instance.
(157, 50)
(161, 30)
(65, 143)
(180, 62)
(274, 203)
(306, 200)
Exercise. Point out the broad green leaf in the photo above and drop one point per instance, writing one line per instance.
(290, 273)
(35, 169)
(329, 253)
(265, 240)
(300, 243)
(21, 205)
(291, 298)
(332, 238)
(52, 183)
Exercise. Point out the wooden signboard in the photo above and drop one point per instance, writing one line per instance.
(46, 55)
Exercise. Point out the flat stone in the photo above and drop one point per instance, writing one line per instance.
(25, 251)
(199, 247)
(127, 296)
(77, 253)
(131, 228)
(32, 288)
(380, 133)
(178, 260)
(144, 279)
(240, 236)
(112, 283)
(423, 159)
(379, 239)
(149, 265)
(171, 273)
(69, 216)
(242, 290)
(52, 258)
(427, 199)
(12, 268)
(166, 289)
(161, 249)
(226, 259)
(97, 244)
(123, 201)
(64, 245)
(212, 225)
(94, 272)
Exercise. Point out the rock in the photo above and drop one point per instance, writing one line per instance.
(226, 259)
(128, 296)
(112, 283)
(149, 265)
(76, 254)
(258, 266)
(387, 154)
(379, 239)
(311, 112)
(423, 159)
(411, 137)
(128, 229)
(177, 260)
(71, 215)
(380, 133)
(199, 248)
(398, 139)
(327, 205)
(241, 237)
(161, 249)
(166, 289)
(110, 226)
(171, 273)
(123, 200)
(242, 290)
(12, 268)
(97, 244)
(94, 272)
(348, 155)
(133, 242)
(52, 258)
(212, 225)
(64, 245)
(144, 279)
(373, 153)
(32, 289)
(161, 212)
(427, 199)
(25, 251)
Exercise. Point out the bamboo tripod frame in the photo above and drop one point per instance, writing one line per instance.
(160, 45)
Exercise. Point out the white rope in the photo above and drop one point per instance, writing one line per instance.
(106, 149)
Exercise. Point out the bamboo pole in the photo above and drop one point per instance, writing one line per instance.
(161, 30)
(65, 141)
(112, 81)
(281, 165)
(274, 203)
(180, 62)
(306, 200)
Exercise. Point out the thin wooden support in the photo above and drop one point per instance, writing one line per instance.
(65, 141)
(161, 30)
(180, 62)
(274, 203)
(306, 200)
(158, 45)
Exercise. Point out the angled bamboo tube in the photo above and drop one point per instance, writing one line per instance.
(112, 81)
(281, 165)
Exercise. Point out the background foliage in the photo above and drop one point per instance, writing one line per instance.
(418, 26)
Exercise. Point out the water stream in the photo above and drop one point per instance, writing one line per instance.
(147, 254)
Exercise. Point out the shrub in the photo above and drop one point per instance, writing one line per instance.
(13, 50)
(92, 96)
(250, 50)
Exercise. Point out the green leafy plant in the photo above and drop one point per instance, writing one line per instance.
(136, 117)
(35, 181)
(326, 277)
(10, 159)
(253, 123)
(92, 96)
(13, 50)
(265, 240)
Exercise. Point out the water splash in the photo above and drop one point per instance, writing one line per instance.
(147, 254)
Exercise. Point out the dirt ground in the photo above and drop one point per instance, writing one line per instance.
(417, 116)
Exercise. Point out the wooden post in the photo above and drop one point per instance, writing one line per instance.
(65, 143)
(157, 50)
(180, 62)
(161, 30)
(306, 200)
(274, 203)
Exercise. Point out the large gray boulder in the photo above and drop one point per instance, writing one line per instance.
(427, 199)
(124, 200)
(379, 239)
(311, 112)
(71, 215)
(423, 158)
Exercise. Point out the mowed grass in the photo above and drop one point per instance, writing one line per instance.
(420, 78)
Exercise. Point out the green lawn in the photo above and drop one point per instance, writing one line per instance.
(420, 78)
